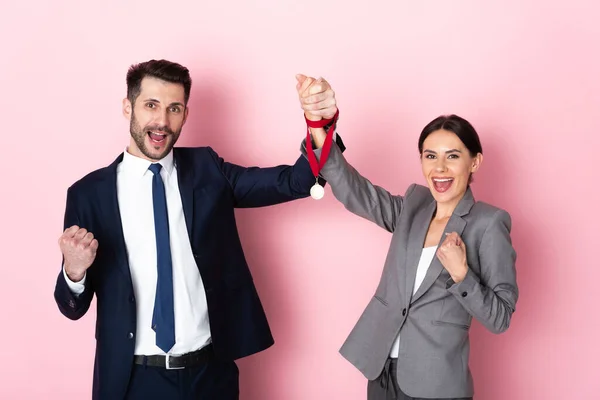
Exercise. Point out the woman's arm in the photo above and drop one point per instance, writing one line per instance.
(357, 193)
(491, 297)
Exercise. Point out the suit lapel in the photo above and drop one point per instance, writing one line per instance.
(457, 224)
(416, 239)
(109, 203)
(185, 179)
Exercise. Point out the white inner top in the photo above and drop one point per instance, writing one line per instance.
(424, 262)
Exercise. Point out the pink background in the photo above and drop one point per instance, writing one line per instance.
(524, 72)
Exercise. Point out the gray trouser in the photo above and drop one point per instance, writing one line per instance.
(385, 387)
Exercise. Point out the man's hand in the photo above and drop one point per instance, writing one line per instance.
(78, 247)
(453, 256)
(317, 99)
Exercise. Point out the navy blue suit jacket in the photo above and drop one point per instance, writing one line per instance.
(210, 191)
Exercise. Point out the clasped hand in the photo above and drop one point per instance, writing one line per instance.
(317, 99)
(453, 256)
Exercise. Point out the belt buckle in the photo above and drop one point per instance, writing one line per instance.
(168, 362)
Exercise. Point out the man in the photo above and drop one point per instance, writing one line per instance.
(153, 235)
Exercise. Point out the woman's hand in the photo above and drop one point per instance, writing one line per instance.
(453, 256)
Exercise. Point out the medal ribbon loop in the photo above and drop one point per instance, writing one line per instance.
(315, 166)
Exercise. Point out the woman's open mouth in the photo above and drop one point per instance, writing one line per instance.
(442, 185)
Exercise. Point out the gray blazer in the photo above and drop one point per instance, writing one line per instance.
(433, 324)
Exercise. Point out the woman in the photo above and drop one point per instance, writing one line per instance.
(450, 259)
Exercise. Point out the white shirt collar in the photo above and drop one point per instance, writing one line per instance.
(139, 166)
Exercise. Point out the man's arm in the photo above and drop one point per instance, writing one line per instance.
(73, 293)
(260, 187)
(257, 187)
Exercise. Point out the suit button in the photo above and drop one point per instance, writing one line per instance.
(464, 294)
(404, 312)
(131, 299)
(130, 336)
(195, 255)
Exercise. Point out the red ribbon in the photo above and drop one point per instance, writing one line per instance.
(312, 159)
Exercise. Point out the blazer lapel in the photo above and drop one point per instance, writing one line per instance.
(109, 203)
(455, 224)
(185, 179)
(416, 239)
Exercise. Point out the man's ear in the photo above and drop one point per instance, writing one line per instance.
(127, 108)
(185, 114)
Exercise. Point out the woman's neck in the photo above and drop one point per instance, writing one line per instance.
(444, 211)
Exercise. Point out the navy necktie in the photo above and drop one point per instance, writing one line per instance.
(163, 318)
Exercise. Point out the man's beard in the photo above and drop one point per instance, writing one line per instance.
(139, 136)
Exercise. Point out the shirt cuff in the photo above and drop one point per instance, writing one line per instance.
(76, 287)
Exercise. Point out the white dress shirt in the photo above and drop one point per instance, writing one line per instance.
(424, 262)
(134, 192)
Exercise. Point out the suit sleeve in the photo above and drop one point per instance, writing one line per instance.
(358, 194)
(491, 297)
(72, 305)
(260, 187)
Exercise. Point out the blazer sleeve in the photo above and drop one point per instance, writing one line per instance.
(491, 297)
(357, 193)
(259, 187)
(71, 305)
